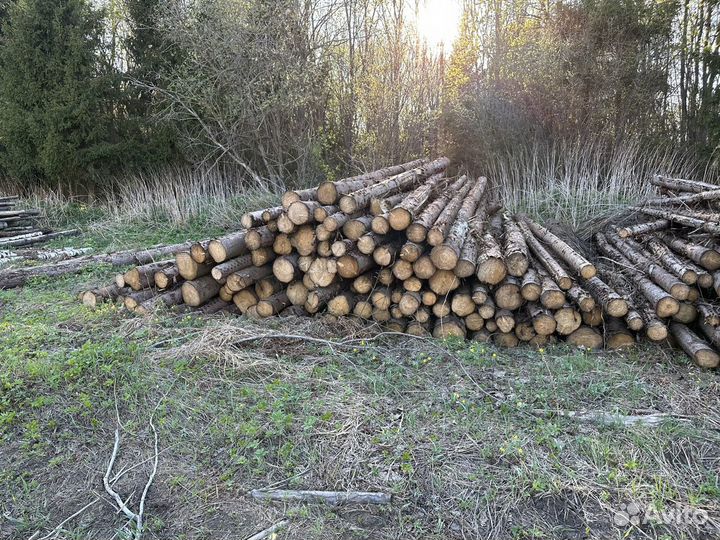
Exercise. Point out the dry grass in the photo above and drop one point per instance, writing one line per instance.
(571, 183)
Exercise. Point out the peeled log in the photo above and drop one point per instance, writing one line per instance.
(697, 349)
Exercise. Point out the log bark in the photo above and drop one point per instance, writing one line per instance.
(612, 303)
(556, 271)
(247, 276)
(579, 264)
(515, 250)
(439, 230)
(672, 262)
(644, 228)
(664, 304)
(449, 327)
(142, 277)
(678, 184)
(166, 278)
(697, 349)
(95, 297)
(678, 217)
(330, 192)
(417, 231)
(357, 200)
(531, 285)
(706, 257)
(634, 252)
(188, 268)
(490, 265)
(273, 305)
(449, 237)
(221, 272)
(403, 214)
(586, 337)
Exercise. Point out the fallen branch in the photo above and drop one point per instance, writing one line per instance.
(122, 506)
(269, 531)
(328, 497)
(67, 519)
(605, 418)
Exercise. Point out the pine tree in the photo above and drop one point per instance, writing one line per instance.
(55, 111)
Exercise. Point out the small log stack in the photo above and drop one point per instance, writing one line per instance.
(424, 253)
(19, 228)
(670, 261)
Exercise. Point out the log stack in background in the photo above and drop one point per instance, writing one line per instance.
(19, 227)
(408, 247)
(670, 261)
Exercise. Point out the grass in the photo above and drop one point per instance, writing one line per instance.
(462, 434)
(465, 436)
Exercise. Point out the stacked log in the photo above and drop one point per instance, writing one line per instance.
(422, 252)
(19, 227)
(406, 246)
(671, 259)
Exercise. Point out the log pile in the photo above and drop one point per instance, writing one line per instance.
(19, 228)
(409, 247)
(669, 262)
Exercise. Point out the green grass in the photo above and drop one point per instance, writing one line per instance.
(465, 436)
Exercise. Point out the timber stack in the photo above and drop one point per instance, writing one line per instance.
(407, 246)
(670, 265)
(19, 228)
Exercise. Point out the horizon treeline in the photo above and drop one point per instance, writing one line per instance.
(291, 90)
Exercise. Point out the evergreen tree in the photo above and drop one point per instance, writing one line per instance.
(150, 57)
(55, 102)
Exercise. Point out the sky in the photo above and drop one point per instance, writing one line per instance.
(439, 21)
